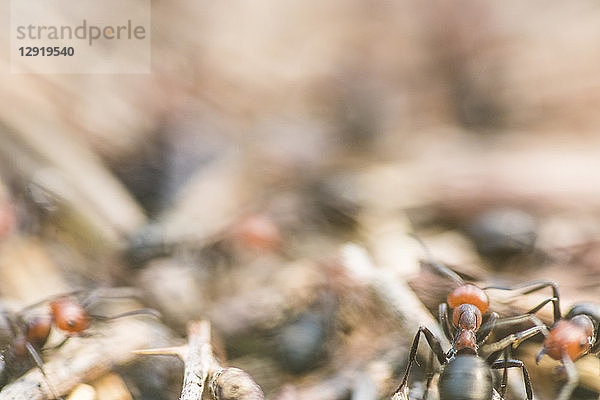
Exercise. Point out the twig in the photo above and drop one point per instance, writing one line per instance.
(403, 395)
(198, 361)
(201, 368)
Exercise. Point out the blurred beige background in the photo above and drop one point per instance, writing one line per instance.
(377, 112)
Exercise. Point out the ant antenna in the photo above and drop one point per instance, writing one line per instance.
(143, 311)
(439, 267)
(48, 299)
(40, 364)
(110, 294)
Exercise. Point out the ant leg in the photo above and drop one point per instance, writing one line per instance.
(572, 378)
(542, 304)
(59, 345)
(515, 364)
(516, 339)
(494, 349)
(429, 376)
(435, 346)
(485, 331)
(47, 300)
(504, 373)
(519, 319)
(555, 307)
(445, 322)
(40, 364)
(534, 286)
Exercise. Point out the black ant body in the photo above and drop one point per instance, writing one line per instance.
(465, 375)
(29, 336)
(570, 337)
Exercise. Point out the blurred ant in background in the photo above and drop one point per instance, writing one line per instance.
(569, 338)
(28, 335)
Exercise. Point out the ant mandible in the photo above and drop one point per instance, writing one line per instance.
(570, 337)
(30, 335)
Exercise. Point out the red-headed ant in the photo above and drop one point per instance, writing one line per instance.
(465, 375)
(29, 335)
(569, 338)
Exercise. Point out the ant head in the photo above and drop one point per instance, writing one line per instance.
(37, 330)
(467, 317)
(572, 336)
(69, 316)
(469, 294)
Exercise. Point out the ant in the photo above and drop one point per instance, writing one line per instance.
(465, 375)
(29, 336)
(469, 304)
(570, 337)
